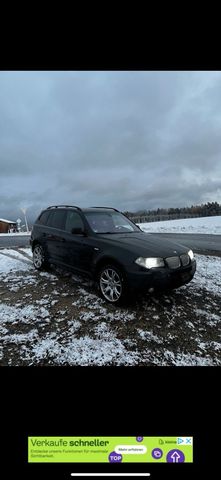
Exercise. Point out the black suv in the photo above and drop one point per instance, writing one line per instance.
(110, 248)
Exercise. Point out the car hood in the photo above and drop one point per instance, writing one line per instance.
(145, 244)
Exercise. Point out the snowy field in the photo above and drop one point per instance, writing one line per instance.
(56, 318)
(209, 225)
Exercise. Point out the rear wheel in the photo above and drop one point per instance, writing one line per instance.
(39, 258)
(112, 284)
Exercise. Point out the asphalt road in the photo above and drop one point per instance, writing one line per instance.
(14, 241)
(199, 243)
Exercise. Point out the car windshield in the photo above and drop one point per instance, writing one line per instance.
(110, 222)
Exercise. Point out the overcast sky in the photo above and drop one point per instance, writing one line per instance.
(131, 140)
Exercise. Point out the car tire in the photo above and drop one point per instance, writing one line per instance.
(39, 258)
(112, 284)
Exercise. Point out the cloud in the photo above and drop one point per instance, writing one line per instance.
(127, 139)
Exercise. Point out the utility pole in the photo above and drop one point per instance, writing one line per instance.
(24, 210)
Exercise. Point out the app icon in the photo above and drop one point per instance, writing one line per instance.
(188, 440)
(157, 453)
(139, 439)
(115, 457)
(184, 440)
(180, 440)
(175, 456)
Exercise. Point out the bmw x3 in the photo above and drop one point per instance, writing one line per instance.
(103, 243)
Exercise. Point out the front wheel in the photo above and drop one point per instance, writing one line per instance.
(39, 258)
(112, 284)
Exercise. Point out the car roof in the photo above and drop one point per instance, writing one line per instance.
(84, 210)
(98, 209)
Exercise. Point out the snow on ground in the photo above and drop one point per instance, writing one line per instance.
(10, 264)
(209, 225)
(15, 234)
(56, 318)
(208, 274)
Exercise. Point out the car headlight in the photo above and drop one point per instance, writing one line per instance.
(151, 262)
(190, 253)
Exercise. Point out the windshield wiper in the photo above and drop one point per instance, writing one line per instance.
(115, 233)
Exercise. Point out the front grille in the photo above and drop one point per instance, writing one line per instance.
(185, 259)
(173, 262)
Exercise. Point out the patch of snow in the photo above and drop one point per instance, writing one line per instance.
(130, 343)
(149, 336)
(183, 359)
(26, 250)
(21, 337)
(83, 351)
(48, 275)
(15, 234)
(212, 317)
(208, 345)
(16, 254)
(209, 225)
(43, 301)
(3, 330)
(53, 302)
(103, 331)
(73, 326)
(207, 274)
(25, 314)
(11, 222)
(8, 265)
(46, 348)
(93, 301)
(85, 316)
(119, 315)
(43, 312)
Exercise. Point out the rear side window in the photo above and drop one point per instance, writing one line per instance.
(57, 219)
(43, 218)
(73, 220)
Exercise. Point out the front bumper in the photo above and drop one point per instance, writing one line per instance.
(161, 278)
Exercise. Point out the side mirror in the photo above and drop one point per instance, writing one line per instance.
(78, 231)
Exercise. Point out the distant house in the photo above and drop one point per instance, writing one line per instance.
(7, 226)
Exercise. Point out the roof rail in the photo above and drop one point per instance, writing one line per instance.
(67, 206)
(109, 208)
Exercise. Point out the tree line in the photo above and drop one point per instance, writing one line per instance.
(204, 210)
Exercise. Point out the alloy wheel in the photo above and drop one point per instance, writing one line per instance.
(111, 284)
(38, 257)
